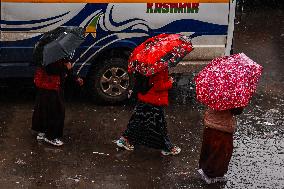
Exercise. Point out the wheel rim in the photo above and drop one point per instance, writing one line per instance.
(114, 81)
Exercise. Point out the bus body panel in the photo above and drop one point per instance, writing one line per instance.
(109, 25)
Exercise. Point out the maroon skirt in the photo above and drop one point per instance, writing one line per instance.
(216, 152)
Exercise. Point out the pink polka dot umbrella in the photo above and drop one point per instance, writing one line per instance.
(228, 82)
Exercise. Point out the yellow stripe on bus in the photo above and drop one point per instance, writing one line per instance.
(116, 1)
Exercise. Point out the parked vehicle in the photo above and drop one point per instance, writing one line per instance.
(112, 31)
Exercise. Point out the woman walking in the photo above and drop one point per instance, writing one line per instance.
(49, 111)
(217, 145)
(147, 125)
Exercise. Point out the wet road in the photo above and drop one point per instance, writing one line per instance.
(89, 159)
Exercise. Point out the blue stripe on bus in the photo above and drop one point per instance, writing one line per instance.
(11, 22)
(29, 29)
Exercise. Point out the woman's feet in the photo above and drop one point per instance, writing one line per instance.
(204, 177)
(55, 142)
(123, 143)
(175, 150)
(209, 180)
(40, 136)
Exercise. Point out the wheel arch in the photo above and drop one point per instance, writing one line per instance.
(107, 53)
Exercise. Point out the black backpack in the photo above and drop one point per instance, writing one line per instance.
(141, 84)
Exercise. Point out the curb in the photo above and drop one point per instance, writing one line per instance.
(189, 66)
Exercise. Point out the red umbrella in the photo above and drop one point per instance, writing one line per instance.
(228, 82)
(159, 53)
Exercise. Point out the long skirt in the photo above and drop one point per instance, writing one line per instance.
(216, 152)
(49, 113)
(147, 126)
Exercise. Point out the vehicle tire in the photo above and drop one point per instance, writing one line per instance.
(110, 82)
